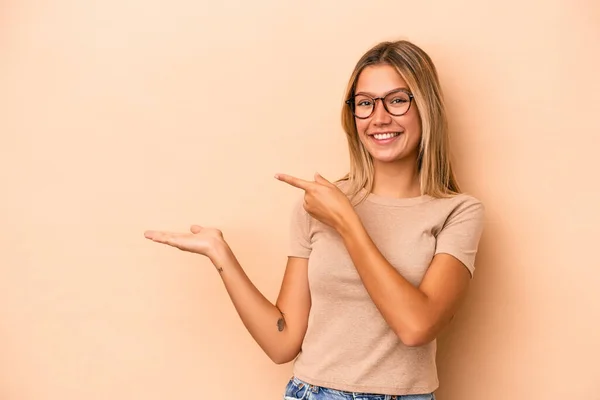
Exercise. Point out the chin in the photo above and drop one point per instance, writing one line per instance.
(393, 158)
(387, 160)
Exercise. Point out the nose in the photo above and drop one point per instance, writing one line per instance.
(380, 114)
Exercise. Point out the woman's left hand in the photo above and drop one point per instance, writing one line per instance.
(323, 200)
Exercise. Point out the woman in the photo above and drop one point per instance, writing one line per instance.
(380, 260)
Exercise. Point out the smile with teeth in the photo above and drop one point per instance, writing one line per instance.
(383, 136)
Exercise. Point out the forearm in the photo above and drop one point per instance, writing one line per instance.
(404, 307)
(261, 318)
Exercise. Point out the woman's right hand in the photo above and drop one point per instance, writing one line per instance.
(205, 241)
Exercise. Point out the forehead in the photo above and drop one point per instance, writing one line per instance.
(379, 79)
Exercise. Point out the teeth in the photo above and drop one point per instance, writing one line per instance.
(382, 136)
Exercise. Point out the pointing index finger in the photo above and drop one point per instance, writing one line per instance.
(297, 182)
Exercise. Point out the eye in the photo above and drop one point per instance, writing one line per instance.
(399, 99)
(363, 101)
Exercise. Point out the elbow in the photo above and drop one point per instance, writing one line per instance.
(280, 360)
(416, 337)
(282, 357)
(283, 350)
(417, 340)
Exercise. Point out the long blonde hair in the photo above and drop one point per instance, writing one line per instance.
(437, 178)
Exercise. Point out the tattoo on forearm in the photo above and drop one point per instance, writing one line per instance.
(281, 321)
(220, 270)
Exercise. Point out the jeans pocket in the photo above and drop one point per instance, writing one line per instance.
(295, 389)
(430, 396)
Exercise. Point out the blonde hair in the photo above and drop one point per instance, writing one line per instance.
(437, 178)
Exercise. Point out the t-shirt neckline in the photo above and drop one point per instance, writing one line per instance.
(395, 201)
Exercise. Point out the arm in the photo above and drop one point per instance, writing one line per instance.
(278, 329)
(418, 314)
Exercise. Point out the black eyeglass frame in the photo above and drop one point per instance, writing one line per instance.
(350, 103)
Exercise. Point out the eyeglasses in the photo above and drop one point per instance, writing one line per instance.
(396, 103)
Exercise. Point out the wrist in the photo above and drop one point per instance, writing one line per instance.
(220, 253)
(348, 224)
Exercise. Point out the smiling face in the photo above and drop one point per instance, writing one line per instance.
(387, 138)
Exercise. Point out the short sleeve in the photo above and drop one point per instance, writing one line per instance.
(299, 238)
(462, 231)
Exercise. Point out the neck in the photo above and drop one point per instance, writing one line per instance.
(398, 180)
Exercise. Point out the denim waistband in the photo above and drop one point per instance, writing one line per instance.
(297, 389)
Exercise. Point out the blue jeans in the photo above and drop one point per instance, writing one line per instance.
(300, 390)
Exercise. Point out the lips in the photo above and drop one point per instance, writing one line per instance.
(385, 135)
(382, 138)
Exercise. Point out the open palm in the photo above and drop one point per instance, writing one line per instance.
(200, 240)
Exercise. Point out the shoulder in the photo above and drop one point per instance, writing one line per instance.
(465, 200)
(459, 202)
(461, 209)
(460, 228)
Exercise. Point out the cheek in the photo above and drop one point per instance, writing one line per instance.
(415, 128)
(412, 124)
(361, 126)
(361, 129)
(414, 121)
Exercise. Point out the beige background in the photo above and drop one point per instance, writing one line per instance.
(125, 115)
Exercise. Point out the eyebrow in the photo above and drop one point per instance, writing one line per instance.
(386, 93)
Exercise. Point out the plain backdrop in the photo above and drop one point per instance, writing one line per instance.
(126, 115)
